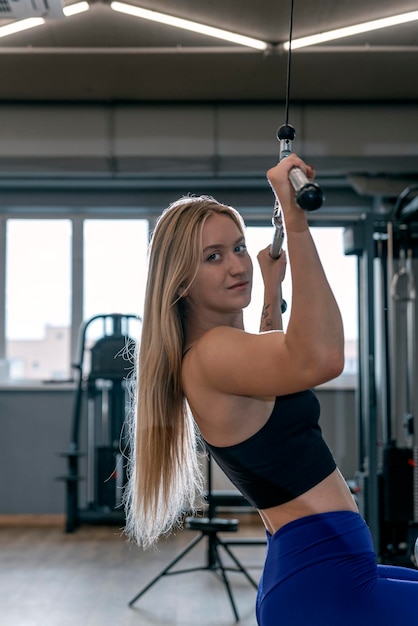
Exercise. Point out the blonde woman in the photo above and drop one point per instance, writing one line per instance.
(249, 396)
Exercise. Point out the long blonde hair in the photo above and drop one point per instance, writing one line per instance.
(164, 476)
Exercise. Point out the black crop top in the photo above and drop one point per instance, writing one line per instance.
(284, 459)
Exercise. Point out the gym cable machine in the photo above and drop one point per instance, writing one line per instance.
(389, 484)
(387, 249)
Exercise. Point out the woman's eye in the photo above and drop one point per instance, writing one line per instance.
(241, 248)
(214, 257)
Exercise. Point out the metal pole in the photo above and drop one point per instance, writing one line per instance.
(369, 386)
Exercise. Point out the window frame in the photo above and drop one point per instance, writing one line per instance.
(77, 219)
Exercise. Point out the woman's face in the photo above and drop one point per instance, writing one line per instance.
(224, 279)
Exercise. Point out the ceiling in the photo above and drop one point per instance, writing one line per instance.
(105, 56)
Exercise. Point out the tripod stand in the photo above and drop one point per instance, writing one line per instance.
(209, 528)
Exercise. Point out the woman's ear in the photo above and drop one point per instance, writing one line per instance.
(182, 292)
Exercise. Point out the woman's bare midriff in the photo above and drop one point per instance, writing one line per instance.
(331, 494)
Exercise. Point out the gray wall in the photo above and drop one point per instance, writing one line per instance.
(35, 424)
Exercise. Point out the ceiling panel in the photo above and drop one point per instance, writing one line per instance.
(102, 55)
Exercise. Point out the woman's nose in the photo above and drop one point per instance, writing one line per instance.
(237, 264)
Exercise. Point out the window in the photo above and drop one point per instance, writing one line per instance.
(115, 271)
(38, 298)
(341, 271)
(39, 268)
(115, 257)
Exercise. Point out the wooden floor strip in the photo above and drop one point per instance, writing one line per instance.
(87, 578)
(31, 520)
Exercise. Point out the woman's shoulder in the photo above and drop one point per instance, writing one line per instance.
(213, 345)
(220, 333)
(220, 339)
(228, 342)
(219, 354)
(229, 360)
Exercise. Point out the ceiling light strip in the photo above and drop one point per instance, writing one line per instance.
(195, 27)
(74, 9)
(349, 31)
(17, 27)
(31, 22)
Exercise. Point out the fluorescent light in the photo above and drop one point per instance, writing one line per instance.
(16, 27)
(73, 9)
(32, 22)
(195, 27)
(348, 31)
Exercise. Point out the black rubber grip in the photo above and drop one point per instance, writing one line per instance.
(310, 197)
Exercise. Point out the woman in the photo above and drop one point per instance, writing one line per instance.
(249, 396)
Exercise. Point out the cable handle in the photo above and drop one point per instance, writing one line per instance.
(309, 195)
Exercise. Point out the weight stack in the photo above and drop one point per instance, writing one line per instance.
(398, 485)
(415, 474)
(106, 495)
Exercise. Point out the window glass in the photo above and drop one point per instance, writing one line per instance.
(38, 286)
(340, 269)
(38, 298)
(115, 266)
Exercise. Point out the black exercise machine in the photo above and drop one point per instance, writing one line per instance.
(101, 402)
(387, 480)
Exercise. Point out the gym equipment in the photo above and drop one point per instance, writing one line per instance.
(209, 528)
(402, 341)
(101, 403)
(387, 249)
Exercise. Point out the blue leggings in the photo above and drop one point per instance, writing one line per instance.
(321, 570)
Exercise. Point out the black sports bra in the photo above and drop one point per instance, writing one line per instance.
(284, 459)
